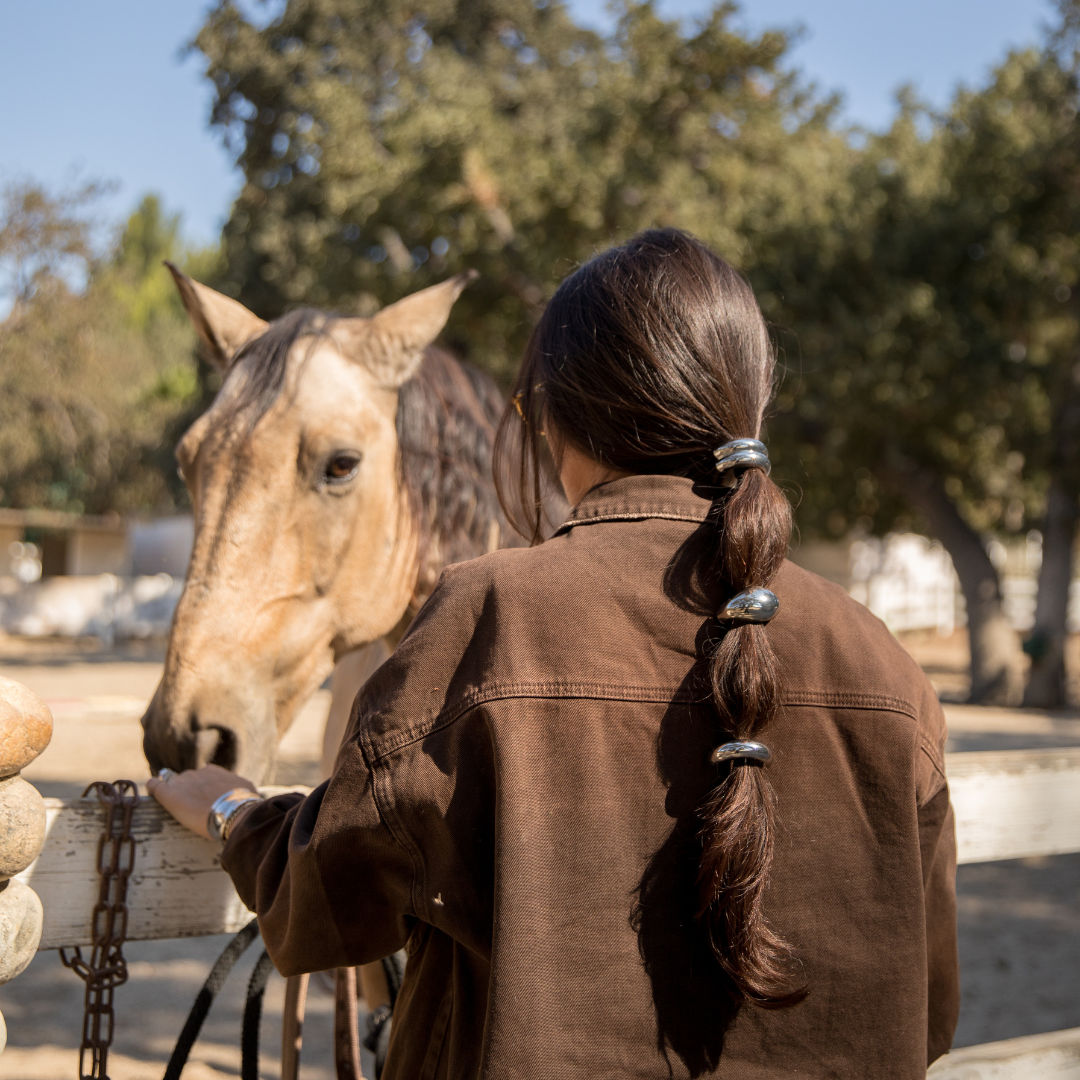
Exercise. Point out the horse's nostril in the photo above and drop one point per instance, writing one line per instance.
(216, 746)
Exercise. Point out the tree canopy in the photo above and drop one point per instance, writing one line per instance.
(387, 145)
(93, 383)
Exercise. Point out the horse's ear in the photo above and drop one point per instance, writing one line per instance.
(222, 324)
(392, 343)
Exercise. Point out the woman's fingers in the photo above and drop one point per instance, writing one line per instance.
(189, 795)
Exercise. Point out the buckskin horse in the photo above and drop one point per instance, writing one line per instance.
(343, 463)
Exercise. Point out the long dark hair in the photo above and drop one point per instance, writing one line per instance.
(647, 358)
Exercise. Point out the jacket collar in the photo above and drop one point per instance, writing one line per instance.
(636, 498)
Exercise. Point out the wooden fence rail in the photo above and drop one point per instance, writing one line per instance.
(177, 889)
(1009, 804)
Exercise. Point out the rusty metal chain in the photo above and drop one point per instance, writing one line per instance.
(106, 969)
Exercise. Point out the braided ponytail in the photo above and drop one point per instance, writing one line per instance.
(737, 815)
(648, 358)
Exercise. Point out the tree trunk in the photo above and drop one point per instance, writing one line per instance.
(997, 660)
(1046, 645)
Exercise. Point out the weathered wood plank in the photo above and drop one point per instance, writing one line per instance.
(1011, 804)
(1053, 1056)
(178, 888)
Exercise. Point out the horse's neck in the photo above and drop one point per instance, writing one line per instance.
(350, 673)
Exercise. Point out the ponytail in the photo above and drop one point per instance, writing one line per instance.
(737, 816)
(647, 358)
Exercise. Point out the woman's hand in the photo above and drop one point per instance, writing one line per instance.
(189, 795)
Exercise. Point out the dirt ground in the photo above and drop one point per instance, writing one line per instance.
(1019, 921)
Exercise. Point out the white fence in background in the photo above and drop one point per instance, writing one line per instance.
(102, 605)
(906, 580)
(909, 582)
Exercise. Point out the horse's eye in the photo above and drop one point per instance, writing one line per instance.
(342, 467)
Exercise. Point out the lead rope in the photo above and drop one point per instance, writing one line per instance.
(249, 1032)
(205, 998)
(346, 1026)
(292, 1025)
(106, 969)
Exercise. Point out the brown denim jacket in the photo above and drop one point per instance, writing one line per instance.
(514, 805)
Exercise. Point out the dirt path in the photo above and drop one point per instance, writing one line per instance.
(1019, 921)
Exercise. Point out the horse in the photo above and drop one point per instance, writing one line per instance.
(342, 464)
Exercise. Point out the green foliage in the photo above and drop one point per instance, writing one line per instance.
(937, 327)
(923, 283)
(94, 385)
(386, 145)
(41, 235)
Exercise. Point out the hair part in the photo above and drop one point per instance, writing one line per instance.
(647, 358)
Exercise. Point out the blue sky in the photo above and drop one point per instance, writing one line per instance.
(104, 88)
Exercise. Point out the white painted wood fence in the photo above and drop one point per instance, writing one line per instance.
(1008, 805)
(1011, 804)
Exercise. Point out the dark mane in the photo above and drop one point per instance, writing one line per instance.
(447, 415)
(446, 421)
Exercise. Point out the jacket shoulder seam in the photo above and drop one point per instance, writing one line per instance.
(935, 756)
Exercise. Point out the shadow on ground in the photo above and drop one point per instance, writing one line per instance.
(43, 1012)
(1019, 948)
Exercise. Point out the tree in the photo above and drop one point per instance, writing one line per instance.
(939, 348)
(41, 236)
(93, 384)
(1018, 146)
(385, 145)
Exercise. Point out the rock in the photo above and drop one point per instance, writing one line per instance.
(22, 825)
(25, 726)
(20, 928)
(3, 1034)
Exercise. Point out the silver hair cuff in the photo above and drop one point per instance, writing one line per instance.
(742, 454)
(750, 606)
(739, 751)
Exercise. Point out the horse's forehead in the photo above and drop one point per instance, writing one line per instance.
(319, 384)
(326, 380)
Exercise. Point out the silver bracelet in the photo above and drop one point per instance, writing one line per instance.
(224, 810)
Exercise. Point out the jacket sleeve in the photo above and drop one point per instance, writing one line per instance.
(937, 844)
(335, 878)
(328, 881)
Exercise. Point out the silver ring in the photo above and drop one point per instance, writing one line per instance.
(742, 454)
(731, 751)
(750, 605)
(165, 775)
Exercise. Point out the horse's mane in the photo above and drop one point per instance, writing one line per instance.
(446, 421)
(447, 415)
